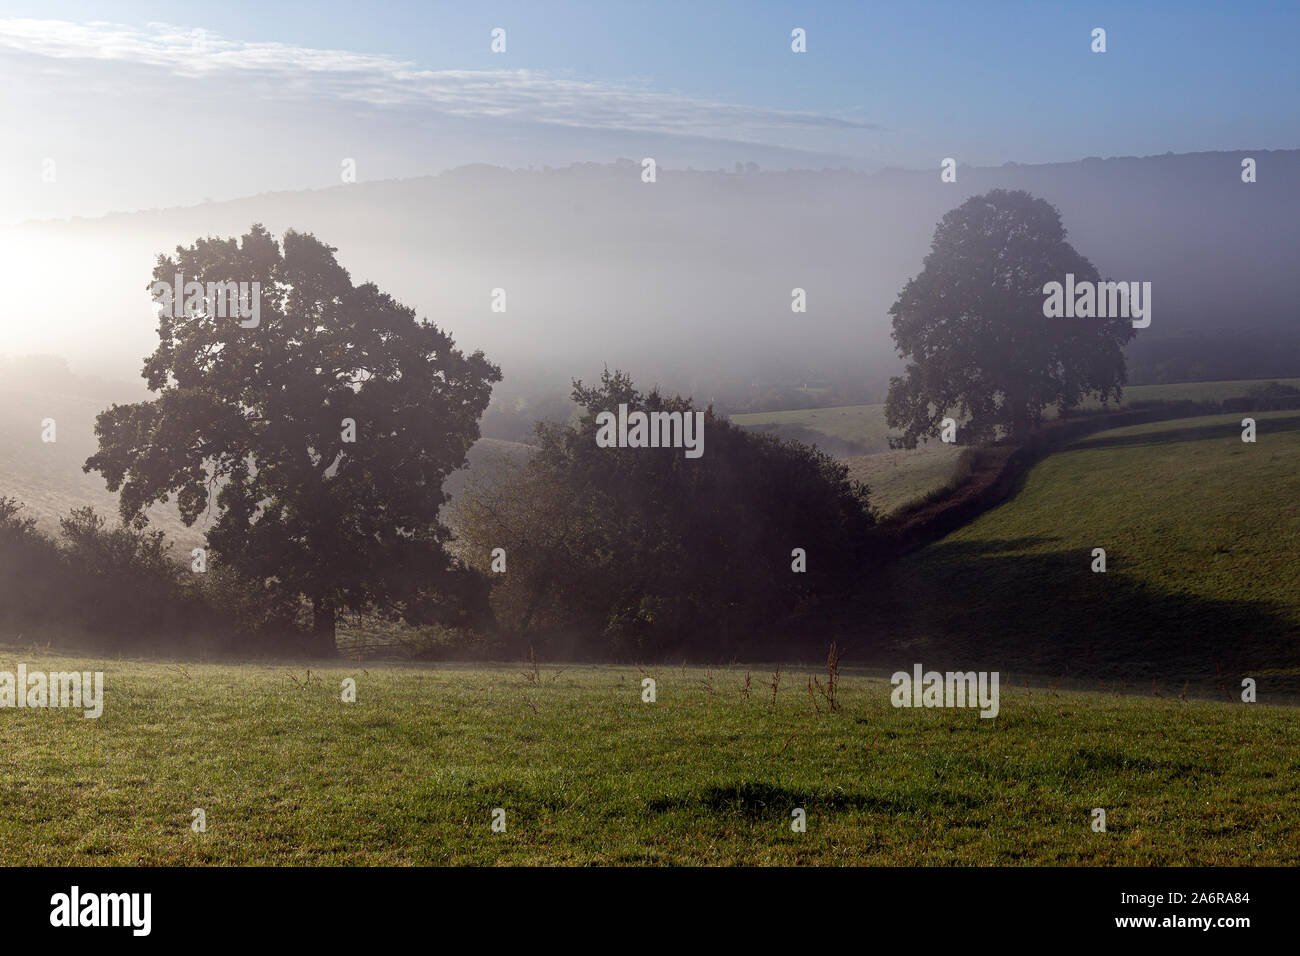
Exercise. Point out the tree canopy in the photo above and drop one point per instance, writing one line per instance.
(644, 552)
(972, 329)
(321, 434)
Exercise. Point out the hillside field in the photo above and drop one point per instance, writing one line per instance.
(1201, 532)
(46, 477)
(899, 477)
(48, 480)
(287, 773)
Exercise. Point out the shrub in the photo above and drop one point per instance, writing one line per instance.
(637, 553)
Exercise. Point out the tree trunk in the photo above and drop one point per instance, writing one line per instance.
(323, 629)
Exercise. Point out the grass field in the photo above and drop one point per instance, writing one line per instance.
(1201, 533)
(587, 773)
(899, 477)
(864, 424)
(1193, 391)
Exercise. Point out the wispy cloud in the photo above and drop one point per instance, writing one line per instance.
(299, 72)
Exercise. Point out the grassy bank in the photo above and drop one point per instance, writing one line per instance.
(1201, 534)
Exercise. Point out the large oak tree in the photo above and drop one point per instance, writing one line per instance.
(972, 329)
(251, 421)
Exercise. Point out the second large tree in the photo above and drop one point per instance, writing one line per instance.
(972, 329)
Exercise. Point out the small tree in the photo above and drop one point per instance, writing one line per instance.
(640, 552)
(322, 434)
(972, 329)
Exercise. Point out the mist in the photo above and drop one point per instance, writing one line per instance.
(686, 281)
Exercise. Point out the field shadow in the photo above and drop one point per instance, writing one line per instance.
(982, 604)
(1190, 433)
(757, 799)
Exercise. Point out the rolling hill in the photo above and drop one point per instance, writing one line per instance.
(1201, 533)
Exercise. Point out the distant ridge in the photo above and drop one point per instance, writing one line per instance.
(696, 270)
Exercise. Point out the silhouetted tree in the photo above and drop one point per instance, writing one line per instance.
(972, 329)
(253, 420)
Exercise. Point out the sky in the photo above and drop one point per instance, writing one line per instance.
(120, 106)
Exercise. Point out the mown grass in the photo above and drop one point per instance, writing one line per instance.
(589, 774)
(1202, 538)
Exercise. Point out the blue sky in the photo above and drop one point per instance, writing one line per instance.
(696, 83)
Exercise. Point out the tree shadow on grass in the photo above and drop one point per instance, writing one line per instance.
(758, 799)
(982, 605)
(1190, 433)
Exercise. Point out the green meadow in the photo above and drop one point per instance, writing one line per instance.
(1134, 707)
(588, 773)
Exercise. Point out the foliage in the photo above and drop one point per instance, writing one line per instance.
(653, 552)
(972, 330)
(253, 421)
